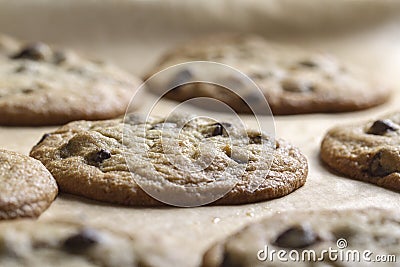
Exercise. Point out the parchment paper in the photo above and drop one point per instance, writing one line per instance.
(134, 33)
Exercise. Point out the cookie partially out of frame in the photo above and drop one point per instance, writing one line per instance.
(26, 187)
(40, 85)
(375, 230)
(294, 81)
(368, 151)
(88, 158)
(58, 243)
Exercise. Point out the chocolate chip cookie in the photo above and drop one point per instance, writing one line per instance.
(294, 81)
(57, 243)
(40, 85)
(287, 236)
(91, 159)
(367, 151)
(26, 187)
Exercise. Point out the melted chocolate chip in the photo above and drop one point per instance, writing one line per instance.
(43, 137)
(376, 168)
(81, 241)
(102, 155)
(226, 124)
(35, 51)
(218, 129)
(255, 139)
(380, 127)
(295, 237)
(27, 90)
(385, 162)
(308, 63)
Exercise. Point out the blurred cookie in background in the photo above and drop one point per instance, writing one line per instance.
(294, 81)
(40, 85)
(276, 240)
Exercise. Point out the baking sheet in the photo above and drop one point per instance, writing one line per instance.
(133, 34)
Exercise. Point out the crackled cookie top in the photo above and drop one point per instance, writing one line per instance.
(293, 80)
(105, 160)
(357, 230)
(40, 85)
(26, 187)
(367, 151)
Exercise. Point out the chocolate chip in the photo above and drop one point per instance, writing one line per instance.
(43, 137)
(380, 127)
(385, 162)
(226, 124)
(81, 241)
(292, 85)
(255, 139)
(27, 90)
(35, 51)
(298, 236)
(376, 168)
(308, 63)
(102, 155)
(218, 129)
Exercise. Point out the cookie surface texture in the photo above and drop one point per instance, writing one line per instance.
(90, 158)
(26, 187)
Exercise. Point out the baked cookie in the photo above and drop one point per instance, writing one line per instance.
(367, 151)
(57, 243)
(90, 158)
(294, 81)
(26, 187)
(367, 229)
(44, 86)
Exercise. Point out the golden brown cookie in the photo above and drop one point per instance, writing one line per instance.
(40, 85)
(89, 158)
(300, 238)
(368, 151)
(293, 81)
(26, 187)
